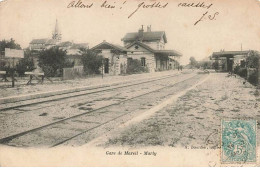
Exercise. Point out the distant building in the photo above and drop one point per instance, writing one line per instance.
(56, 35)
(149, 47)
(73, 51)
(46, 43)
(72, 48)
(227, 60)
(41, 44)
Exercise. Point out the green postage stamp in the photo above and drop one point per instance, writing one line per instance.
(238, 141)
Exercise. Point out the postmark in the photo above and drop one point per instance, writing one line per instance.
(238, 141)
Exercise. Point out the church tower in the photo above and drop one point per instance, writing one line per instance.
(56, 35)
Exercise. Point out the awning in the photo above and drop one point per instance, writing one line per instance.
(168, 52)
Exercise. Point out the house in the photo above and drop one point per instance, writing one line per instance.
(149, 47)
(115, 58)
(72, 48)
(41, 44)
(73, 51)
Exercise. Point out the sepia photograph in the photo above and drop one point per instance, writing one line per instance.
(129, 83)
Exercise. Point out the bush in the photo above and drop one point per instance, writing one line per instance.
(92, 62)
(242, 72)
(252, 63)
(253, 78)
(53, 60)
(215, 65)
(135, 66)
(253, 60)
(25, 64)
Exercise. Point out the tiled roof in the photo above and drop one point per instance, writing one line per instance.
(51, 42)
(80, 45)
(65, 44)
(141, 44)
(45, 41)
(39, 41)
(168, 52)
(147, 36)
(117, 47)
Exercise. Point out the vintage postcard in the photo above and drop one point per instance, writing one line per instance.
(130, 83)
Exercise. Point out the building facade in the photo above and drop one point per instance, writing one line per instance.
(149, 47)
(115, 58)
(154, 39)
(146, 47)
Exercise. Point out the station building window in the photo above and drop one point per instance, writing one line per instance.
(143, 62)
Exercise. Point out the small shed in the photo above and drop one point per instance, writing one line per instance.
(115, 58)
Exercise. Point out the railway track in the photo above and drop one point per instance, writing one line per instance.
(30, 102)
(21, 120)
(62, 131)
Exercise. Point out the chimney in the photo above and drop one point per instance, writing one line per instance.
(141, 33)
(149, 28)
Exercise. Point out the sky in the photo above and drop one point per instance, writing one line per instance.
(235, 23)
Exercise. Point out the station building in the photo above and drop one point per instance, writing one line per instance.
(146, 46)
(149, 47)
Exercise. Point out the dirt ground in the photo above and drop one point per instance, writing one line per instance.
(195, 119)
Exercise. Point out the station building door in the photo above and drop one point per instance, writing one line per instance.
(106, 65)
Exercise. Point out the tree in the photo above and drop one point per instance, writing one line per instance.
(204, 64)
(253, 60)
(193, 62)
(92, 62)
(53, 60)
(215, 65)
(9, 44)
(25, 64)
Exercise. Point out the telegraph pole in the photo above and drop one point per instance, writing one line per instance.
(13, 74)
(258, 74)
